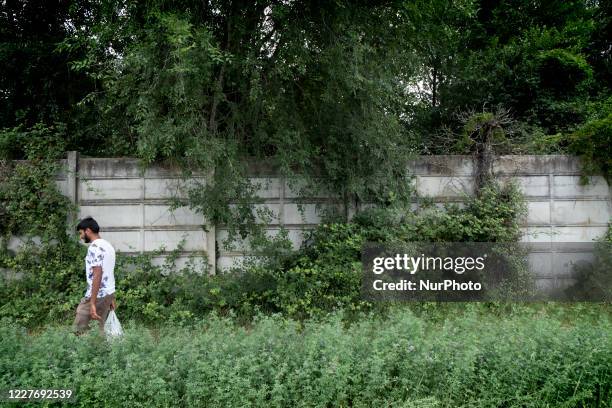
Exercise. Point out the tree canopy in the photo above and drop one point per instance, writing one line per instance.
(342, 91)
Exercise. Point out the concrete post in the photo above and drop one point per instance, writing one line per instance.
(211, 237)
(72, 187)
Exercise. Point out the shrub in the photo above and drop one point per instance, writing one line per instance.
(562, 71)
(593, 143)
(30, 203)
(326, 273)
(46, 283)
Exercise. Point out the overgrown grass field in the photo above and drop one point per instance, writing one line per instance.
(424, 355)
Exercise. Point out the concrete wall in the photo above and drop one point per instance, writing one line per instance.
(564, 217)
(131, 205)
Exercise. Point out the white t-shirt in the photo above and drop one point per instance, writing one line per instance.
(101, 253)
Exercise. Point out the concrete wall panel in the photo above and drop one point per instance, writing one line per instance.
(537, 234)
(301, 214)
(110, 189)
(581, 212)
(113, 215)
(267, 187)
(538, 212)
(578, 234)
(569, 186)
(124, 241)
(163, 188)
(444, 186)
(531, 186)
(160, 215)
(194, 240)
(296, 188)
(131, 205)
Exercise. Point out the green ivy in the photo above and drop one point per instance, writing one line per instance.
(30, 203)
(42, 279)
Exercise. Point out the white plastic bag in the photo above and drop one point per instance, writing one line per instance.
(112, 327)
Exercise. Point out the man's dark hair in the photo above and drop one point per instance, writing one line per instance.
(90, 223)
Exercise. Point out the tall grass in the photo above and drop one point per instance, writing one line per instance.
(474, 359)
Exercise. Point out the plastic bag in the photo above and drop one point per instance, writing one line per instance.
(112, 327)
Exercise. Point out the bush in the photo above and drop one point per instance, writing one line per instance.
(593, 143)
(30, 203)
(155, 295)
(46, 283)
(562, 71)
(326, 273)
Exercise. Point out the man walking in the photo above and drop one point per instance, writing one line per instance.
(99, 272)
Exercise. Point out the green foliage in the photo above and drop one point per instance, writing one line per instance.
(38, 143)
(471, 358)
(210, 91)
(593, 143)
(157, 294)
(323, 276)
(326, 273)
(562, 72)
(341, 93)
(30, 204)
(494, 216)
(37, 83)
(483, 135)
(594, 279)
(342, 88)
(228, 199)
(45, 282)
(536, 60)
(41, 276)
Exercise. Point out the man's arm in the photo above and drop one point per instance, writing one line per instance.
(95, 286)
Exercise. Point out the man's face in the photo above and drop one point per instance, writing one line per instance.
(84, 235)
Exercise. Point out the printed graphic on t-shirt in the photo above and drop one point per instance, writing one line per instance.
(97, 255)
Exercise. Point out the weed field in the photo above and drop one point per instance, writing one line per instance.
(460, 355)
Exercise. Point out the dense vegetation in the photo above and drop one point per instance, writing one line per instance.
(163, 77)
(343, 94)
(457, 357)
(340, 92)
(323, 276)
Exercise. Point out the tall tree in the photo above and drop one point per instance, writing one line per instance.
(36, 81)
